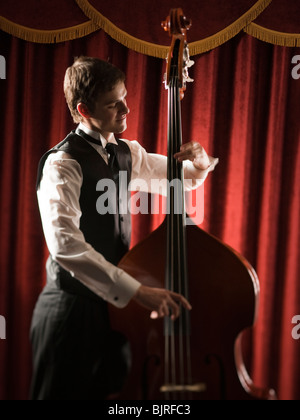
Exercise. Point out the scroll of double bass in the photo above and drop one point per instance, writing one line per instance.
(199, 356)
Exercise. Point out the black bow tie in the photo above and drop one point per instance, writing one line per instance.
(110, 148)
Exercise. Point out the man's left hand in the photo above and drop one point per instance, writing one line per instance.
(194, 152)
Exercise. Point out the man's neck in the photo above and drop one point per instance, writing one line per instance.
(96, 134)
(109, 137)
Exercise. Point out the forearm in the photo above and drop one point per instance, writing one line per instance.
(149, 172)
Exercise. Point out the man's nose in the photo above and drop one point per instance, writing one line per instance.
(124, 108)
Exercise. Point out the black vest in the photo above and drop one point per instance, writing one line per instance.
(109, 234)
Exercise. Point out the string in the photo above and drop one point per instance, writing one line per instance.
(169, 346)
(179, 204)
(184, 347)
(176, 271)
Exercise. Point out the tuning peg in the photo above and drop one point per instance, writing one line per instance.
(186, 23)
(166, 24)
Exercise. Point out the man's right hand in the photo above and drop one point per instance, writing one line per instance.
(161, 302)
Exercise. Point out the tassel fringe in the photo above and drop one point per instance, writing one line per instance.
(273, 37)
(231, 31)
(161, 51)
(138, 45)
(47, 37)
(98, 21)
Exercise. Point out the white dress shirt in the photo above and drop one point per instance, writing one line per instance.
(58, 198)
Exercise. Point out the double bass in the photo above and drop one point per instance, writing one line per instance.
(199, 356)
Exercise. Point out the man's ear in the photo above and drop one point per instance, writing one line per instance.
(83, 110)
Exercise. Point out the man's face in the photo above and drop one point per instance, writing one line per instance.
(110, 112)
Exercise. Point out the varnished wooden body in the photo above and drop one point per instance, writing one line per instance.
(224, 292)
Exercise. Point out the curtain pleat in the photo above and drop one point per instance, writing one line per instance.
(242, 107)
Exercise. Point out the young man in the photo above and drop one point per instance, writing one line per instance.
(75, 353)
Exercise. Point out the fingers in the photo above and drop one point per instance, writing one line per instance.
(154, 315)
(171, 304)
(179, 298)
(195, 153)
(175, 297)
(161, 302)
(189, 151)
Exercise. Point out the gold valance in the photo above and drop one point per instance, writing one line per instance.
(136, 24)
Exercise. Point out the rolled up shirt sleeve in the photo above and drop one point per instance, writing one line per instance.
(58, 198)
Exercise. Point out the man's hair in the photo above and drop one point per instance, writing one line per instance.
(86, 79)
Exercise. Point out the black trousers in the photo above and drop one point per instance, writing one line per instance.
(76, 355)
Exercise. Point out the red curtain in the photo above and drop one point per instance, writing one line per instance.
(243, 107)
